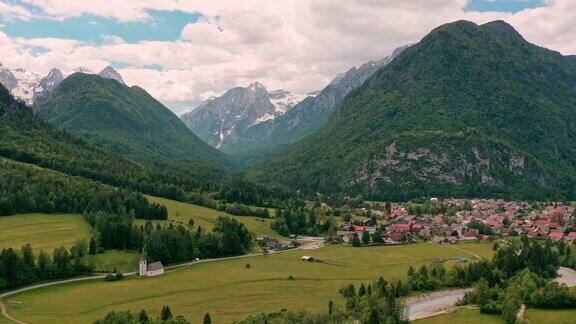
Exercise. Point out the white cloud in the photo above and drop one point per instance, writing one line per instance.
(11, 11)
(298, 45)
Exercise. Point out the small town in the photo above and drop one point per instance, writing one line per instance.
(461, 220)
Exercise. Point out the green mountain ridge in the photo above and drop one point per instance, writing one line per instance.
(126, 120)
(469, 110)
(29, 139)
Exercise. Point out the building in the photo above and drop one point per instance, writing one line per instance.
(149, 270)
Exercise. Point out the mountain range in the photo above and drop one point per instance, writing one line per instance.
(471, 110)
(224, 120)
(31, 87)
(246, 121)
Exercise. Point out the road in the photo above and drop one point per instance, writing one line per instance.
(433, 303)
(126, 274)
(442, 301)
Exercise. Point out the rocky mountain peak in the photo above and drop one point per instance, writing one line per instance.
(109, 73)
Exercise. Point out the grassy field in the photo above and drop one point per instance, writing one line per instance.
(554, 316)
(463, 316)
(121, 260)
(228, 290)
(181, 212)
(43, 231)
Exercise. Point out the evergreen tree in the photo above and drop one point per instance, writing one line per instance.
(143, 317)
(166, 313)
(92, 246)
(207, 319)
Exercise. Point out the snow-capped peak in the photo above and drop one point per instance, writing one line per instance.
(283, 100)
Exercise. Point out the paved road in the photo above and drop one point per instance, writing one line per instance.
(126, 274)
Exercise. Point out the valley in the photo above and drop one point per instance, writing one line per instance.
(229, 291)
(424, 176)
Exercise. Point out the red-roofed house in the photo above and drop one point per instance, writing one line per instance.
(570, 237)
(556, 235)
(400, 228)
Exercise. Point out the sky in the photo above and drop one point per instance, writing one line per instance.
(186, 51)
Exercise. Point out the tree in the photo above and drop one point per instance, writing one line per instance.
(365, 237)
(356, 241)
(143, 317)
(92, 246)
(330, 307)
(191, 222)
(28, 256)
(166, 313)
(207, 319)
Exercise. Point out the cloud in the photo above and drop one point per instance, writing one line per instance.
(10, 12)
(297, 45)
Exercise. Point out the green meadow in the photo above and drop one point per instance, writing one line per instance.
(42, 231)
(462, 315)
(229, 290)
(181, 212)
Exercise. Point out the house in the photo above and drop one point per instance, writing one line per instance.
(149, 270)
(400, 228)
(416, 228)
(570, 237)
(556, 235)
(393, 239)
(471, 233)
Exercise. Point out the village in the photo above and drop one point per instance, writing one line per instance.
(460, 220)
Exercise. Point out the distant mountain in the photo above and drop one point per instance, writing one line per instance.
(110, 73)
(125, 120)
(304, 118)
(47, 85)
(468, 111)
(7, 78)
(225, 120)
(30, 87)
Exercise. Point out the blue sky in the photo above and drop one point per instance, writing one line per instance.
(162, 26)
(511, 6)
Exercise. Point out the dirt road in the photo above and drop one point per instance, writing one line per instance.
(433, 303)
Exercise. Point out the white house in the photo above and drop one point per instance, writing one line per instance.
(149, 270)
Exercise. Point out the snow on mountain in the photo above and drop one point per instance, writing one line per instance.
(47, 85)
(284, 100)
(31, 87)
(27, 82)
(226, 118)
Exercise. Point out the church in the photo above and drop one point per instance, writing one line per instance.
(149, 270)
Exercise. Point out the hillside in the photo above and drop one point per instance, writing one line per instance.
(125, 120)
(306, 117)
(469, 110)
(28, 138)
(227, 121)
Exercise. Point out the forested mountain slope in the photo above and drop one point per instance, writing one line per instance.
(27, 138)
(469, 110)
(125, 120)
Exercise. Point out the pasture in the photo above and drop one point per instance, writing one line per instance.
(230, 291)
(181, 212)
(464, 315)
(42, 231)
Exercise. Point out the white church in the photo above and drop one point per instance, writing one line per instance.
(149, 270)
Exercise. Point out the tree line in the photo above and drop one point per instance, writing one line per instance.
(23, 267)
(169, 243)
(26, 189)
